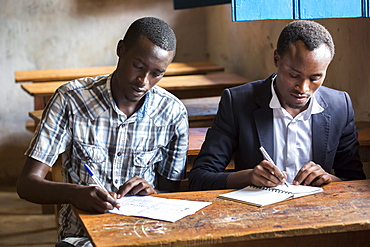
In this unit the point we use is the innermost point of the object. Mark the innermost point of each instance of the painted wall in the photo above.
(48, 34)
(246, 48)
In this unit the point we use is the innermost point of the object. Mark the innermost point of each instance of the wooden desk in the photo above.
(363, 130)
(340, 216)
(191, 86)
(174, 68)
(201, 111)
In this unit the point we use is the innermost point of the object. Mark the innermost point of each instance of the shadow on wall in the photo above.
(190, 48)
(12, 157)
(107, 7)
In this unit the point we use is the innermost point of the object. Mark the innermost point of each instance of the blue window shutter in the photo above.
(248, 10)
(184, 4)
(366, 8)
(313, 9)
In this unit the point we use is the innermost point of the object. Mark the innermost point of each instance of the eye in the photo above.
(156, 75)
(316, 78)
(293, 75)
(136, 66)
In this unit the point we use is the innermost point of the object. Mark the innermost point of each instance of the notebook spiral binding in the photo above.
(270, 189)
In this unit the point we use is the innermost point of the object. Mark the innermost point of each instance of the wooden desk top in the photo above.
(363, 130)
(202, 109)
(196, 139)
(174, 68)
(342, 207)
(170, 83)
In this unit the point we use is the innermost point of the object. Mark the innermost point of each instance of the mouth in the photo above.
(137, 92)
(300, 97)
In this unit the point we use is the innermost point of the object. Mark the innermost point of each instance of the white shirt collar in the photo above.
(313, 108)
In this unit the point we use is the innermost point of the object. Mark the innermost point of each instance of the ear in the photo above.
(120, 48)
(276, 58)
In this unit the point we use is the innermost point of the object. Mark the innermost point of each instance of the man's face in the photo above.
(300, 72)
(139, 69)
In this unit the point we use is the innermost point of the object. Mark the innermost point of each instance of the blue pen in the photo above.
(96, 180)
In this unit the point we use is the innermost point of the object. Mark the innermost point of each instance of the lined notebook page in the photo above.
(262, 196)
(257, 196)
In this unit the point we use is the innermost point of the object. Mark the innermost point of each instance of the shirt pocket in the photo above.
(90, 153)
(145, 162)
(94, 155)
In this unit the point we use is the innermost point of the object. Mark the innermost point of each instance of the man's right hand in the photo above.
(267, 174)
(264, 174)
(94, 199)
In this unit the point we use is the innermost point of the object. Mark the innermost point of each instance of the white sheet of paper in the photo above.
(157, 208)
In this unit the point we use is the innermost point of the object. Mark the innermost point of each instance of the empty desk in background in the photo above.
(337, 217)
(363, 130)
(175, 68)
(190, 86)
(64, 75)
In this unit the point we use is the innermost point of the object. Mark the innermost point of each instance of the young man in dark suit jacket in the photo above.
(306, 128)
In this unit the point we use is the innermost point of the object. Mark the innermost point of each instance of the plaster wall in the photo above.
(246, 48)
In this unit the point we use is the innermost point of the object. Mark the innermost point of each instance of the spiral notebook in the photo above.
(262, 196)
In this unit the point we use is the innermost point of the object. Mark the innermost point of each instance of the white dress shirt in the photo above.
(292, 136)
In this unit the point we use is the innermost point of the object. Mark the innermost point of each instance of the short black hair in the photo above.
(311, 33)
(156, 30)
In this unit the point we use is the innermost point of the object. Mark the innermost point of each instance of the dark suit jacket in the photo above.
(244, 122)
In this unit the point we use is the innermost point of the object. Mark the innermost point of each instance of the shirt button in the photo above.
(119, 154)
(116, 181)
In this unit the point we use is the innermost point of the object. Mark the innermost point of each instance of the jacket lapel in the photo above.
(264, 117)
(320, 132)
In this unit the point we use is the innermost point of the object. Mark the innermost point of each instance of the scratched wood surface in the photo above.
(175, 68)
(201, 111)
(343, 208)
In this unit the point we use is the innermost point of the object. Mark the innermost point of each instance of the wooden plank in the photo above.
(201, 111)
(191, 83)
(343, 209)
(363, 130)
(174, 68)
(196, 139)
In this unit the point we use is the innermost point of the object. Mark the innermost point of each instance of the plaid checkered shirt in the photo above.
(83, 123)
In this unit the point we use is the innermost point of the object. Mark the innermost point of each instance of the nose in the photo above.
(303, 86)
(143, 79)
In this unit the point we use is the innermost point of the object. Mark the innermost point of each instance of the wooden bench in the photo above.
(174, 68)
(201, 112)
(191, 86)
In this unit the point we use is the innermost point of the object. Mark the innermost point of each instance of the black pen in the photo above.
(268, 158)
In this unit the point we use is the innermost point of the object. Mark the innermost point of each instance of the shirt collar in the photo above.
(313, 108)
(139, 114)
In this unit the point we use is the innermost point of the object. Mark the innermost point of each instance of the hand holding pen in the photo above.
(268, 158)
(108, 197)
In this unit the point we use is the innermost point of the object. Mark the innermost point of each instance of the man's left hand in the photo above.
(312, 174)
(136, 186)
